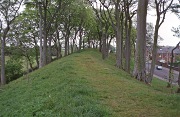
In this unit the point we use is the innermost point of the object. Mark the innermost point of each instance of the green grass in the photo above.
(83, 85)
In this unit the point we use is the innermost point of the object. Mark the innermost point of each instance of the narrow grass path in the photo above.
(122, 95)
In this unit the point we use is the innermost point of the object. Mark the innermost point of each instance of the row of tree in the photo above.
(60, 27)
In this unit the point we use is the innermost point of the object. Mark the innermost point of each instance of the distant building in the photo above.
(164, 54)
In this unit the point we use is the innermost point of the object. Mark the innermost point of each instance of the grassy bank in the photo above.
(83, 84)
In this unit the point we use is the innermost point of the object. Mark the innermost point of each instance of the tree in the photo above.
(24, 35)
(115, 7)
(140, 67)
(162, 7)
(171, 70)
(8, 12)
(128, 27)
(103, 27)
(176, 10)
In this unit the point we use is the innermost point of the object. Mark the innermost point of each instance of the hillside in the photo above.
(83, 85)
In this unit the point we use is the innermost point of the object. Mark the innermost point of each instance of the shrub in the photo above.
(13, 69)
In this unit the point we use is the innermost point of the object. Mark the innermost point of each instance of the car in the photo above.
(159, 67)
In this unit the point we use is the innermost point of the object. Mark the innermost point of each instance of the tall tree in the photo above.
(140, 67)
(176, 10)
(8, 12)
(116, 8)
(118, 32)
(128, 27)
(162, 7)
(103, 19)
(47, 12)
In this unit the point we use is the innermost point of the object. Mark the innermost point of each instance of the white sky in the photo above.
(165, 32)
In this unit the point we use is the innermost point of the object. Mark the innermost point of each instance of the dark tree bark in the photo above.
(40, 37)
(49, 49)
(66, 45)
(140, 60)
(3, 79)
(103, 38)
(56, 44)
(45, 33)
(128, 26)
(80, 38)
(118, 33)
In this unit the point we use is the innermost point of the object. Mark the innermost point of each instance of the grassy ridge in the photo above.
(84, 85)
(55, 90)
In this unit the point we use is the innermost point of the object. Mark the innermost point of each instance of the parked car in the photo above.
(159, 67)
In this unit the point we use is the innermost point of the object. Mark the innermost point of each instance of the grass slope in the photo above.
(83, 84)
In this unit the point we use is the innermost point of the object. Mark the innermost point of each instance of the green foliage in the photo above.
(13, 69)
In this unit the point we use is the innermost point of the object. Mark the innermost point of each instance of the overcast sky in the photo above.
(165, 32)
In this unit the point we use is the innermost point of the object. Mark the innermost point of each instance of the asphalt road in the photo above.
(164, 73)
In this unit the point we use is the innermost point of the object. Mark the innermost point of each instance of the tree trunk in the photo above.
(171, 69)
(60, 49)
(30, 63)
(128, 27)
(3, 44)
(36, 52)
(127, 46)
(80, 39)
(118, 49)
(140, 59)
(45, 50)
(40, 37)
(178, 91)
(100, 41)
(45, 32)
(103, 38)
(45, 37)
(66, 39)
(3, 79)
(72, 50)
(118, 34)
(56, 47)
(154, 52)
(66, 46)
(49, 49)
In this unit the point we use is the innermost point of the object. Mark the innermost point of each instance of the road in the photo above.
(164, 73)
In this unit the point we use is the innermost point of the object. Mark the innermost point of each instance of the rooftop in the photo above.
(168, 49)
